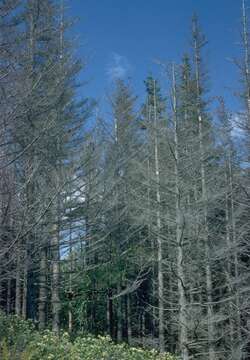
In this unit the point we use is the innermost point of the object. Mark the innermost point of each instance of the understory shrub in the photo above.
(15, 335)
(20, 341)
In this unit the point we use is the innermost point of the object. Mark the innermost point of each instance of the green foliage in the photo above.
(19, 340)
(103, 348)
(15, 334)
(47, 346)
(4, 350)
(51, 347)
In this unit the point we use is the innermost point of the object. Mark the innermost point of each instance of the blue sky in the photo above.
(124, 38)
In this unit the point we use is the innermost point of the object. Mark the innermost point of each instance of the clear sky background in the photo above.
(124, 37)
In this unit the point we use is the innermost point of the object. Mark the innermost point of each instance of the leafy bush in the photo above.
(47, 346)
(20, 340)
(15, 335)
(102, 348)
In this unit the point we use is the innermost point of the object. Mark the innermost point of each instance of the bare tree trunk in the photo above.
(143, 327)
(8, 304)
(228, 269)
(55, 298)
(183, 338)
(152, 243)
(42, 290)
(110, 325)
(129, 324)
(70, 314)
(18, 283)
(108, 319)
(235, 249)
(119, 316)
(25, 282)
(25, 287)
(158, 227)
(210, 314)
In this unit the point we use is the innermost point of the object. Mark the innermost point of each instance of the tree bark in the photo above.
(235, 247)
(129, 324)
(183, 337)
(55, 297)
(42, 290)
(8, 304)
(18, 283)
(119, 316)
(25, 285)
(110, 325)
(158, 229)
(210, 313)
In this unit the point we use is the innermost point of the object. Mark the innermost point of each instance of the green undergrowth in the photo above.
(20, 340)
